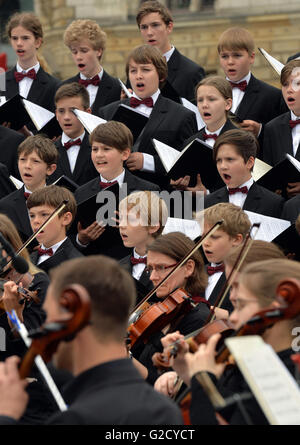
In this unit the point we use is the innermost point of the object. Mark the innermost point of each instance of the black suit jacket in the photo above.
(291, 209)
(143, 284)
(109, 90)
(6, 185)
(84, 169)
(14, 206)
(134, 184)
(9, 142)
(169, 122)
(278, 139)
(66, 251)
(226, 304)
(42, 90)
(199, 135)
(184, 75)
(262, 102)
(259, 200)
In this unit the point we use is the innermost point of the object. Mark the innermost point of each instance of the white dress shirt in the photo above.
(54, 249)
(212, 281)
(25, 84)
(237, 94)
(92, 89)
(138, 269)
(72, 152)
(148, 164)
(239, 198)
(295, 134)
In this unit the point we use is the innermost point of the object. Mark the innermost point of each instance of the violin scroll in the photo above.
(75, 299)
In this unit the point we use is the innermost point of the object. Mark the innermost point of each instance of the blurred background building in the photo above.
(275, 25)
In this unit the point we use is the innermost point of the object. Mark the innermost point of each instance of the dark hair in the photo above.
(287, 70)
(176, 245)
(53, 196)
(244, 142)
(114, 134)
(42, 146)
(145, 54)
(150, 7)
(111, 289)
(73, 89)
(27, 20)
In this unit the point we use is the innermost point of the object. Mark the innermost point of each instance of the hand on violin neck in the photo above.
(11, 299)
(204, 358)
(175, 342)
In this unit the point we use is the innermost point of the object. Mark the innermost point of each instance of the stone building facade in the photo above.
(195, 34)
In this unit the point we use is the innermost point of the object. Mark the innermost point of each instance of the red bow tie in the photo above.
(210, 136)
(136, 102)
(294, 123)
(105, 185)
(26, 195)
(238, 189)
(70, 143)
(214, 269)
(45, 252)
(20, 76)
(94, 81)
(242, 85)
(138, 260)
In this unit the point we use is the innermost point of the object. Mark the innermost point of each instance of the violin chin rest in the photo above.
(46, 329)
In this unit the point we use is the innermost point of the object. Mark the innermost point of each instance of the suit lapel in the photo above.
(38, 87)
(252, 202)
(64, 163)
(285, 135)
(22, 212)
(249, 98)
(12, 87)
(156, 118)
(173, 66)
(102, 93)
(82, 158)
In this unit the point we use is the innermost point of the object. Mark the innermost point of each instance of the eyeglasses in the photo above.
(159, 268)
(239, 303)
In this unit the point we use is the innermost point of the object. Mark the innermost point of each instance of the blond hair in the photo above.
(85, 29)
(151, 210)
(234, 39)
(235, 220)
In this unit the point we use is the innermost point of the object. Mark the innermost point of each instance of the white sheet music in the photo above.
(40, 116)
(270, 381)
(127, 92)
(18, 184)
(260, 168)
(2, 100)
(272, 61)
(294, 161)
(269, 228)
(189, 227)
(167, 154)
(187, 104)
(88, 120)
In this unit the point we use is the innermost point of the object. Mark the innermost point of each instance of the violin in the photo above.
(145, 319)
(76, 302)
(26, 294)
(288, 294)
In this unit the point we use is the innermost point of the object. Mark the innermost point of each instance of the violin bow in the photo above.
(235, 268)
(179, 264)
(48, 220)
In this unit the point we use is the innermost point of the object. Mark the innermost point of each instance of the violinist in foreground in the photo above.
(162, 256)
(107, 388)
(256, 291)
(29, 312)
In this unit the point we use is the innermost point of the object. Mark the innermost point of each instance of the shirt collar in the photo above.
(136, 255)
(154, 96)
(119, 178)
(100, 74)
(55, 246)
(169, 53)
(20, 69)
(247, 184)
(65, 138)
(294, 117)
(217, 132)
(246, 78)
